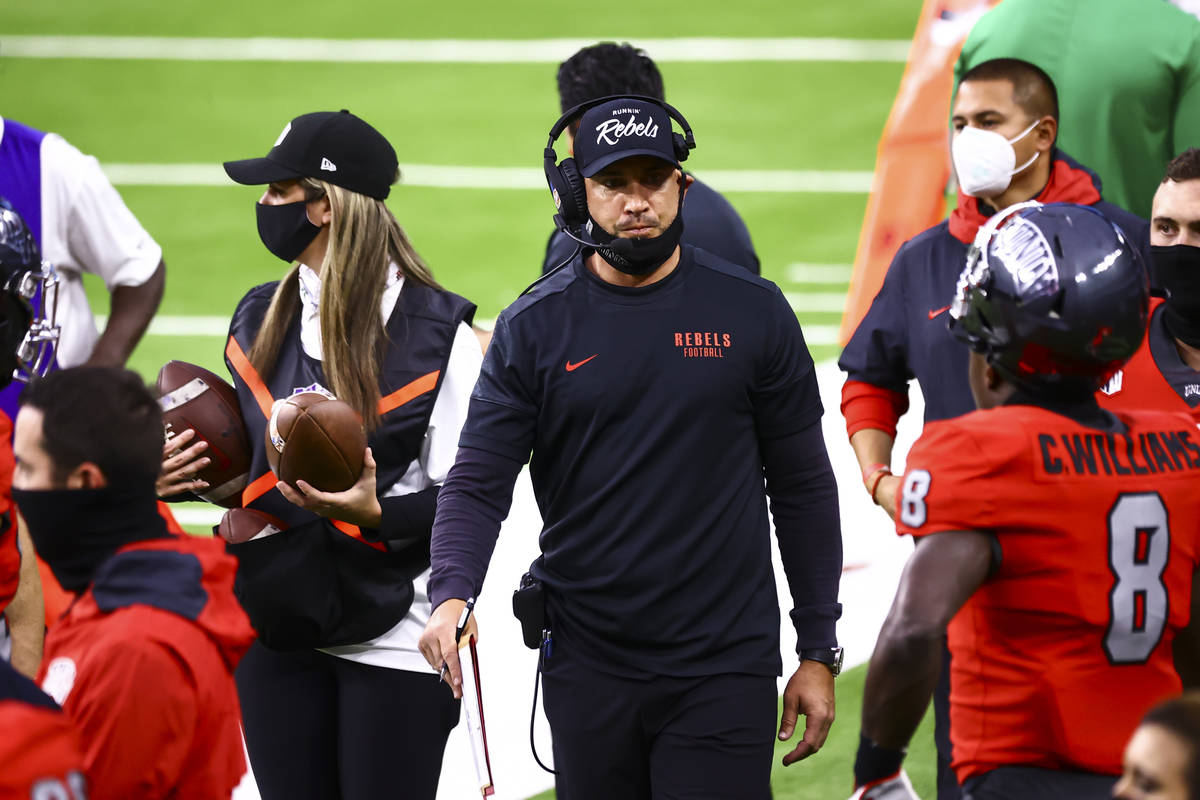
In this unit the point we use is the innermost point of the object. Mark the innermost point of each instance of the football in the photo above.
(192, 397)
(316, 438)
(243, 524)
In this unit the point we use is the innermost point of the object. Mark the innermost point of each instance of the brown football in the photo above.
(193, 397)
(243, 524)
(316, 439)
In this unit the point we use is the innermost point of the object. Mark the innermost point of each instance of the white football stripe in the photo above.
(819, 273)
(802, 302)
(460, 177)
(445, 51)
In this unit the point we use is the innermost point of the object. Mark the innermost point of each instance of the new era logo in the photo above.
(328, 165)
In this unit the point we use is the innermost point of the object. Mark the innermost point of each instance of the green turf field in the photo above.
(484, 244)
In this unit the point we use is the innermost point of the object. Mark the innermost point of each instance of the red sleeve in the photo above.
(39, 747)
(865, 405)
(135, 710)
(10, 556)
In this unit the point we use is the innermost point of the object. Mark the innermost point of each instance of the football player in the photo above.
(1165, 372)
(1058, 541)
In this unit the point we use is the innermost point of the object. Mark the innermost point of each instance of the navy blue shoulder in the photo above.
(931, 237)
(15, 686)
(1133, 225)
(252, 308)
(438, 305)
(550, 285)
(166, 579)
(714, 263)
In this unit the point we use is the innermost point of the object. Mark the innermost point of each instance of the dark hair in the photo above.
(605, 69)
(1184, 167)
(1181, 716)
(1033, 90)
(104, 415)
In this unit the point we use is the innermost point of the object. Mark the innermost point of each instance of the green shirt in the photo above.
(1128, 79)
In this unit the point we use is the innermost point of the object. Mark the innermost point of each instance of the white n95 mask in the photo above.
(984, 160)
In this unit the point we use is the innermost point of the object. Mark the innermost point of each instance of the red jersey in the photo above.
(143, 665)
(1059, 653)
(1140, 384)
(10, 556)
(39, 750)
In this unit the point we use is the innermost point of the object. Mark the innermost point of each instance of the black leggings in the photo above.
(327, 728)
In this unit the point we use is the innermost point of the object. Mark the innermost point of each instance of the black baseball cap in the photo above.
(335, 146)
(622, 128)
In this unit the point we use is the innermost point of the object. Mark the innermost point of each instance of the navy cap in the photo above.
(622, 128)
(335, 146)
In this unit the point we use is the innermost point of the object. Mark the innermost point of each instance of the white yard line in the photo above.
(462, 51)
(808, 302)
(532, 178)
(819, 273)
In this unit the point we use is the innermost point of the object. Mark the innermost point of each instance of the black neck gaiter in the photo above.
(75, 530)
(1176, 269)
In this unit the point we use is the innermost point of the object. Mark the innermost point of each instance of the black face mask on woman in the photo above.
(1177, 270)
(285, 229)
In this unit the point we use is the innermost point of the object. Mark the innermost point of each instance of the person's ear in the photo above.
(86, 476)
(1045, 133)
(686, 182)
(319, 212)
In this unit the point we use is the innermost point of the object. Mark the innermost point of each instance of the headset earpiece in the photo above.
(574, 199)
(681, 147)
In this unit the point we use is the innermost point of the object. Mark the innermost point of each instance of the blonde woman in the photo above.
(337, 700)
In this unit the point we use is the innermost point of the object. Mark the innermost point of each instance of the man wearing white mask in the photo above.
(1005, 122)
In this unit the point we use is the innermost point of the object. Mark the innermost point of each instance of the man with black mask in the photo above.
(655, 385)
(1165, 372)
(142, 662)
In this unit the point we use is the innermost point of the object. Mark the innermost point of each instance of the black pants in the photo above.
(1034, 783)
(664, 738)
(322, 727)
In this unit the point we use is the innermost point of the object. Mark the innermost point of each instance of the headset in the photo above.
(566, 184)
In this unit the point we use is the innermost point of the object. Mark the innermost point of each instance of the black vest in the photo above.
(320, 583)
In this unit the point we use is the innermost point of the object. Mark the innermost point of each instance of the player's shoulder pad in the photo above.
(999, 433)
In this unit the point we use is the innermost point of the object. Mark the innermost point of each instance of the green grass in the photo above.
(829, 774)
(524, 19)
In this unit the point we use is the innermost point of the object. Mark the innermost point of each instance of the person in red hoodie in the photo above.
(142, 662)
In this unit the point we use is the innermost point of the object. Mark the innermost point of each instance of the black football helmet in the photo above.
(1055, 296)
(28, 302)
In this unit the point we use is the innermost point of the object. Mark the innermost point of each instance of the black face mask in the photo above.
(76, 530)
(1176, 269)
(638, 256)
(285, 229)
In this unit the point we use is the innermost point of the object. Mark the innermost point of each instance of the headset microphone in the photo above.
(621, 247)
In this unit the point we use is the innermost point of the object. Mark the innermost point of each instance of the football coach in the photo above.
(665, 395)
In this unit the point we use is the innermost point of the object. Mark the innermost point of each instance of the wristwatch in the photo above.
(829, 656)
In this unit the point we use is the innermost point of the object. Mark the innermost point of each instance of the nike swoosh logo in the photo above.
(572, 367)
(937, 311)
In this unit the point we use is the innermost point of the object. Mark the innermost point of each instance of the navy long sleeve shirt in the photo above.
(653, 416)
